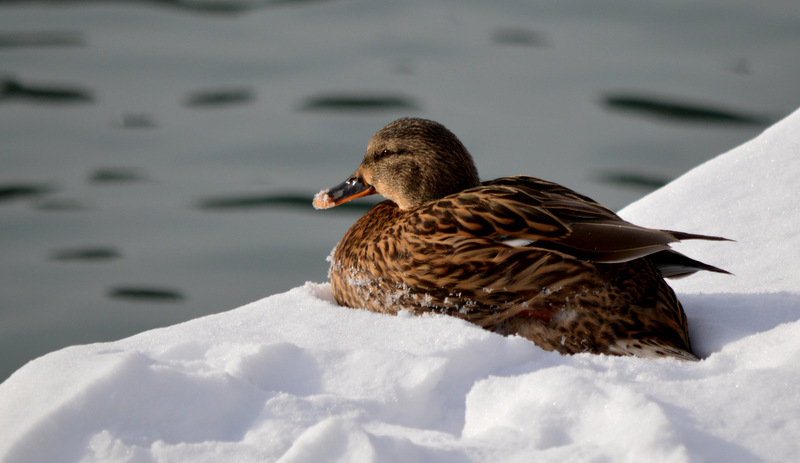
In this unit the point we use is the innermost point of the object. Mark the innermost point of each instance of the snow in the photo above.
(295, 378)
(322, 200)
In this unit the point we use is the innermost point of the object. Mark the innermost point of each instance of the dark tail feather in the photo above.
(673, 264)
(680, 236)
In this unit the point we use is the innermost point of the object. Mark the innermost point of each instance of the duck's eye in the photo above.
(386, 152)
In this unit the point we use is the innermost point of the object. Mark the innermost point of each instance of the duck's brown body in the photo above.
(520, 255)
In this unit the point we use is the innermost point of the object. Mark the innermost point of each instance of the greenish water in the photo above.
(158, 159)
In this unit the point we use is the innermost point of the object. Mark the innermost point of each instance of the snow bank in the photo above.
(294, 378)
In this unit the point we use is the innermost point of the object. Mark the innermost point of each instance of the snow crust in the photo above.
(295, 378)
(322, 200)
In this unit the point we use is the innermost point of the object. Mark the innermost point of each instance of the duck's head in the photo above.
(411, 162)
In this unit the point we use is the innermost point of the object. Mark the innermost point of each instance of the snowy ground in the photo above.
(294, 378)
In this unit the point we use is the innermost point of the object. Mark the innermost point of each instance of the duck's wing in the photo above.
(531, 212)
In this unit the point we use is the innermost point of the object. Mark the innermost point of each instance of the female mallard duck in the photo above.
(516, 255)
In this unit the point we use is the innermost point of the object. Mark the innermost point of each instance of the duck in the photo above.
(515, 255)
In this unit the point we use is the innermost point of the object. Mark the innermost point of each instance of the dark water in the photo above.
(158, 159)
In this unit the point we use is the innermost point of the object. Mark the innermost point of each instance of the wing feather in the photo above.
(549, 216)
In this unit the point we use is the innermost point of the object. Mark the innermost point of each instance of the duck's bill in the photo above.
(352, 188)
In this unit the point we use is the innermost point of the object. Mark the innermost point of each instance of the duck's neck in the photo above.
(447, 182)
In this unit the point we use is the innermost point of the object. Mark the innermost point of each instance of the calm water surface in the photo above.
(158, 159)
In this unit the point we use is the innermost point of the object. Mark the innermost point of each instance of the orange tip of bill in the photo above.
(323, 201)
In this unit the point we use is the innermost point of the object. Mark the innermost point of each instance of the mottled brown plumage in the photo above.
(516, 255)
